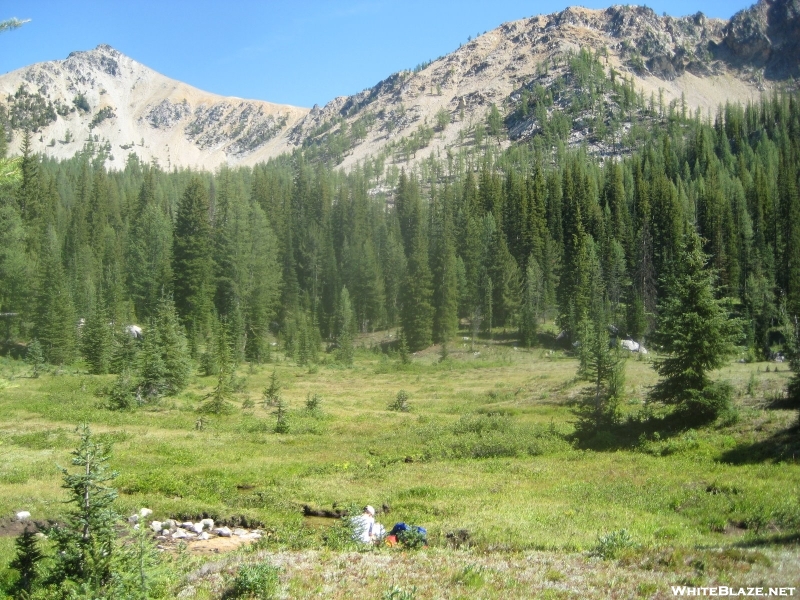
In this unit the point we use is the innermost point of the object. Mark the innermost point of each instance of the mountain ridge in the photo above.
(698, 61)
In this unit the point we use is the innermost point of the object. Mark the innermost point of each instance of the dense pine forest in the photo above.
(298, 253)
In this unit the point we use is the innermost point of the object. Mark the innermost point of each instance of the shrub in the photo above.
(257, 581)
(613, 545)
(400, 403)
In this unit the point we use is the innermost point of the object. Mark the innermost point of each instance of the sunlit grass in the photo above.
(486, 448)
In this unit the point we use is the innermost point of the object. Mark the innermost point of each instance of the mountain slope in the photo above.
(109, 95)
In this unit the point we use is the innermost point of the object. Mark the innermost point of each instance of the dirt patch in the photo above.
(217, 545)
(12, 527)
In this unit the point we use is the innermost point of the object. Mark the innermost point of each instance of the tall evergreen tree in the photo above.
(54, 319)
(696, 336)
(344, 328)
(192, 259)
(97, 337)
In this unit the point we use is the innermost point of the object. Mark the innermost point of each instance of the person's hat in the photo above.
(370, 510)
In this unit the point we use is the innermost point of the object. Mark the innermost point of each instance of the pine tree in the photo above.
(97, 340)
(344, 328)
(416, 310)
(192, 260)
(151, 368)
(272, 393)
(604, 368)
(696, 336)
(445, 276)
(54, 318)
(85, 543)
(532, 303)
(35, 357)
(174, 347)
(26, 561)
(149, 252)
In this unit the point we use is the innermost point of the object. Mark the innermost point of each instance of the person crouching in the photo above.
(365, 528)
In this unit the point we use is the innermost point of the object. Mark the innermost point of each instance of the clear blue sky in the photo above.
(301, 53)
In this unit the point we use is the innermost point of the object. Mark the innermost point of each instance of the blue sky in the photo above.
(300, 53)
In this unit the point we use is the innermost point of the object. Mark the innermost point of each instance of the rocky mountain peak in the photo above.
(766, 35)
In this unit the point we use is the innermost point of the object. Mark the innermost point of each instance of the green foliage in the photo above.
(139, 570)
(191, 259)
(400, 402)
(35, 358)
(85, 541)
(54, 319)
(696, 336)
(96, 340)
(613, 545)
(398, 593)
(81, 103)
(272, 393)
(30, 111)
(281, 417)
(604, 368)
(104, 113)
(26, 561)
(124, 393)
(344, 329)
(259, 580)
(494, 121)
(313, 402)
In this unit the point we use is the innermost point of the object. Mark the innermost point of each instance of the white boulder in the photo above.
(223, 532)
(23, 515)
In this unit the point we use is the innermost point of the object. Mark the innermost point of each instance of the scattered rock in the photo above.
(23, 515)
(133, 519)
(223, 532)
(240, 532)
(145, 512)
(156, 526)
(170, 524)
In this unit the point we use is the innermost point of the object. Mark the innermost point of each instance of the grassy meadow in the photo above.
(484, 459)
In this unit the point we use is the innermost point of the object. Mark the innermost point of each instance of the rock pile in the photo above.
(205, 529)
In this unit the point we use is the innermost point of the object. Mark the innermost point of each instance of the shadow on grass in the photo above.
(783, 446)
(770, 540)
(630, 434)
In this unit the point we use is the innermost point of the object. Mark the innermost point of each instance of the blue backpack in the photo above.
(401, 529)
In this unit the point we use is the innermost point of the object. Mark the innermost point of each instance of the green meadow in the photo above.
(485, 459)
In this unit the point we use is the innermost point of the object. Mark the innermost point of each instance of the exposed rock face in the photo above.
(765, 35)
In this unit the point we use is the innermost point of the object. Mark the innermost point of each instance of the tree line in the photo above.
(490, 240)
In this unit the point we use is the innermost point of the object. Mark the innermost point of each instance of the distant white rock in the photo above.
(145, 512)
(23, 515)
(156, 526)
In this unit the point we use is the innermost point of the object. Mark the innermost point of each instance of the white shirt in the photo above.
(363, 528)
